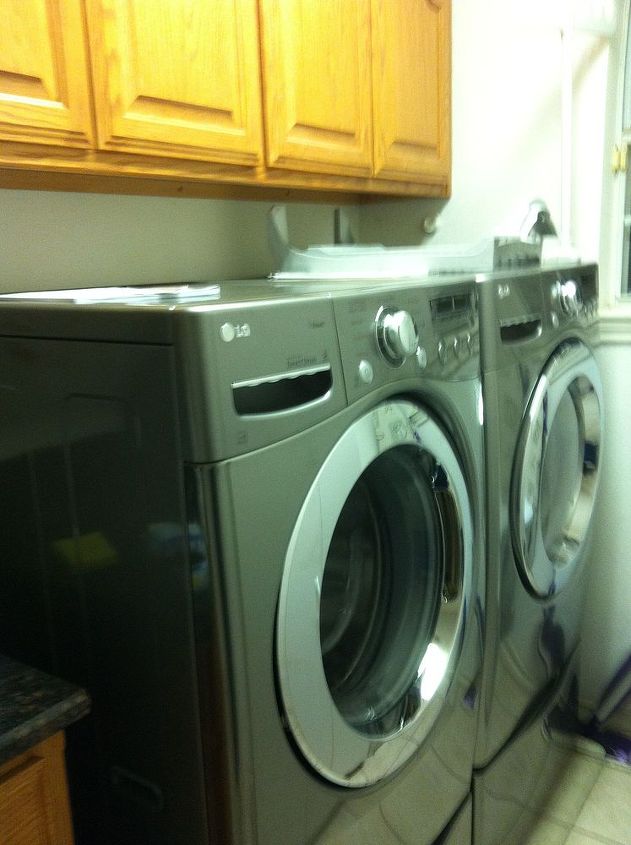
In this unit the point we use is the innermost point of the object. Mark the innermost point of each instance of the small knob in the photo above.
(365, 370)
(421, 357)
(397, 335)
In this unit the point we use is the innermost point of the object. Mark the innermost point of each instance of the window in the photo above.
(625, 159)
(626, 251)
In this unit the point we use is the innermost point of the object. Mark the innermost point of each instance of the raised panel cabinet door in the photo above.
(27, 816)
(177, 78)
(44, 87)
(316, 85)
(34, 804)
(411, 43)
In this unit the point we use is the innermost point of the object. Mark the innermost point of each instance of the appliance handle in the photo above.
(520, 332)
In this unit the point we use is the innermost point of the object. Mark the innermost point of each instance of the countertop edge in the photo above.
(34, 705)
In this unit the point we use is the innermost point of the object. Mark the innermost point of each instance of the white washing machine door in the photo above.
(556, 470)
(377, 578)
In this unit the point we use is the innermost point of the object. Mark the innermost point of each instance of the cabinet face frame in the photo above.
(318, 112)
(44, 75)
(411, 51)
(146, 105)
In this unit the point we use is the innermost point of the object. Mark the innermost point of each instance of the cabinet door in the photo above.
(411, 42)
(34, 806)
(44, 92)
(317, 90)
(177, 78)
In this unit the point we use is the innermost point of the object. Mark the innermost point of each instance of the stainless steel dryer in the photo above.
(249, 522)
(543, 430)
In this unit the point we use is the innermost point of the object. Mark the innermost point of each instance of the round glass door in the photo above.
(372, 601)
(556, 470)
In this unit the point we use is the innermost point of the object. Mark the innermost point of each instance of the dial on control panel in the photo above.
(397, 335)
(569, 297)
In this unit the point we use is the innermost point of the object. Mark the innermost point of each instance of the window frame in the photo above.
(618, 230)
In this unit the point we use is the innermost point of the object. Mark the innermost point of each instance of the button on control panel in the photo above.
(458, 347)
(421, 357)
(366, 372)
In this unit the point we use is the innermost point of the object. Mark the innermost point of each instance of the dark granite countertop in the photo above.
(34, 706)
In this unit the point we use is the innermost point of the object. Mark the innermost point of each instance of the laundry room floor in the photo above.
(591, 804)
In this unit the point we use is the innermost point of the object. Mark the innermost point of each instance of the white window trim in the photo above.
(615, 308)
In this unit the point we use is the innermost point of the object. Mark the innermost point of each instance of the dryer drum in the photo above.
(372, 605)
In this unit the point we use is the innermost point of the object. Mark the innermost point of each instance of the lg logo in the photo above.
(229, 331)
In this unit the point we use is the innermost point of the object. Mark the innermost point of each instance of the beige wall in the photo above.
(56, 240)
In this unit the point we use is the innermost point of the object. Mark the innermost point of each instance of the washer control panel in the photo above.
(572, 296)
(406, 332)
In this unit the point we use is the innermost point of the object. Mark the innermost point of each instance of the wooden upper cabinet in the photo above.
(44, 78)
(177, 78)
(316, 85)
(349, 95)
(411, 48)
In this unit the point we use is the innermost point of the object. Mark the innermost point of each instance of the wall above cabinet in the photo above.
(255, 98)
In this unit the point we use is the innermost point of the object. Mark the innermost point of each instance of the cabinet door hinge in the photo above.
(619, 159)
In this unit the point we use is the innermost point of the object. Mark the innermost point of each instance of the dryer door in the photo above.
(556, 470)
(371, 611)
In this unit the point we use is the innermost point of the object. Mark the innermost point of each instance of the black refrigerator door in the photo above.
(95, 580)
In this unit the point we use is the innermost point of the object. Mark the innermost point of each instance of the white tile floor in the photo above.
(591, 804)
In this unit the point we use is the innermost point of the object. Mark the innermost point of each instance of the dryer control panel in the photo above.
(571, 296)
(520, 311)
(406, 332)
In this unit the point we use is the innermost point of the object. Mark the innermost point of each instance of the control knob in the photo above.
(569, 297)
(397, 335)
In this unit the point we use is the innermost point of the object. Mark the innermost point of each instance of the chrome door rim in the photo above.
(334, 748)
(571, 368)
